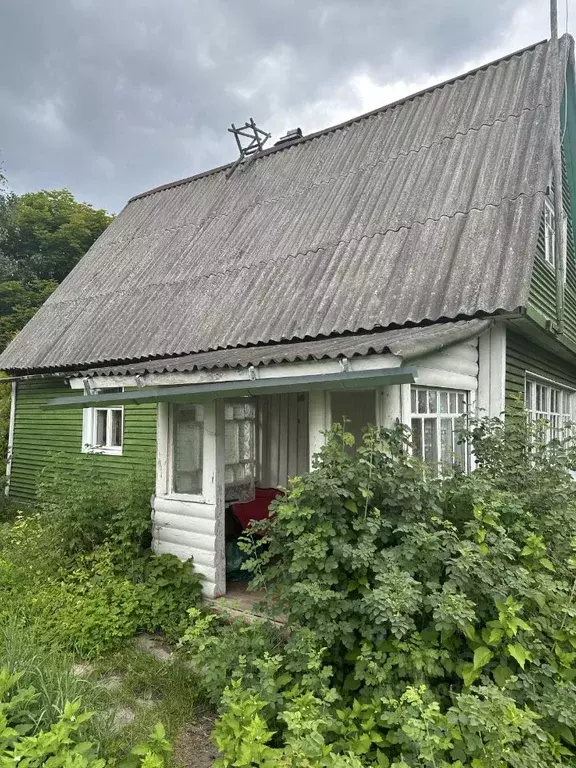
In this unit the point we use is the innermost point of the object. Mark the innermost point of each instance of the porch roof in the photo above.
(408, 343)
(367, 379)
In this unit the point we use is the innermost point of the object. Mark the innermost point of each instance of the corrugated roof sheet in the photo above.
(407, 343)
(422, 211)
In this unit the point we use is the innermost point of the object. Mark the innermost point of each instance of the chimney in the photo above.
(293, 135)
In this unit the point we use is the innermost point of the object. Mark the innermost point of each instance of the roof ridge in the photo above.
(345, 123)
(323, 247)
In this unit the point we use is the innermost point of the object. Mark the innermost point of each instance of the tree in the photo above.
(44, 234)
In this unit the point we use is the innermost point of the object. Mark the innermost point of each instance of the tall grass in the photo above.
(50, 671)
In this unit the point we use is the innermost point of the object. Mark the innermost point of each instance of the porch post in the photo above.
(319, 419)
(213, 485)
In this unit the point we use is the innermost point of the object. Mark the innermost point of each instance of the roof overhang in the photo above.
(365, 379)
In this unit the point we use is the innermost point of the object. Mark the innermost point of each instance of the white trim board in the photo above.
(11, 436)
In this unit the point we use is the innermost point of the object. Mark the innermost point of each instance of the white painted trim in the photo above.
(275, 371)
(88, 430)
(9, 455)
(319, 420)
(434, 377)
(546, 380)
(491, 399)
(162, 449)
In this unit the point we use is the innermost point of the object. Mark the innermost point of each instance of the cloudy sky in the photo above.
(112, 97)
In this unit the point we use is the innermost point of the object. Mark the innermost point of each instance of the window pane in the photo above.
(421, 400)
(240, 449)
(443, 402)
(101, 426)
(188, 446)
(453, 402)
(432, 400)
(446, 443)
(431, 440)
(116, 428)
(529, 396)
(417, 438)
(413, 397)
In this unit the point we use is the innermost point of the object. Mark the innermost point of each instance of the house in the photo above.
(404, 265)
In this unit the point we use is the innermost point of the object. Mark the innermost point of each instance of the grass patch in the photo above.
(50, 672)
(153, 690)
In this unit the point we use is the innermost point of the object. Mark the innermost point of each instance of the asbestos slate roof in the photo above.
(407, 343)
(425, 210)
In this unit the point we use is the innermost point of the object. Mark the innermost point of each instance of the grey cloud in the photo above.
(110, 97)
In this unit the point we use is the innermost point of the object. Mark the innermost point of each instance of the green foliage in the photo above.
(44, 234)
(19, 302)
(81, 569)
(60, 745)
(441, 610)
(230, 646)
(166, 691)
(51, 674)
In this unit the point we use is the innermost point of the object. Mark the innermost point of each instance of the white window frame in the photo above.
(89, 430)
(171, 492)
(549, 232)
(438, 415)
(254, 462)
(558, 418)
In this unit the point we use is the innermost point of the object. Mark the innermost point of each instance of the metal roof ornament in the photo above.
(256, 140)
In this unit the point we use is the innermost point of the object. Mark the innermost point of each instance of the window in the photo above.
(436, 421)
(240, 449)
(103, 428)
(549, 232)
(551, 402)
(187, 449)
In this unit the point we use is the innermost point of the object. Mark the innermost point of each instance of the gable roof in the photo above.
(425, 210)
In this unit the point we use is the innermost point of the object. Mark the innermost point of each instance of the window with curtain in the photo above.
(240, 449)
(187, 448)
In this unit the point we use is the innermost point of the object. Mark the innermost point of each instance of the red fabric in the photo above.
(257, 509)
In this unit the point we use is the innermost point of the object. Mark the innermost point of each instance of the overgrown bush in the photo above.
(90, 582)
(441, 610)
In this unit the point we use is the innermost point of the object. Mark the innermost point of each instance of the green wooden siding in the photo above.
(524, 355)
(40, 432)
(543, 286)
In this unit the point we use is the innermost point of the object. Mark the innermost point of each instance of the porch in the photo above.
(234, 425)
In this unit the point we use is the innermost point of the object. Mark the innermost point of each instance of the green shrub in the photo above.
(83, 507)
(220, 649)
(89, 586)
(442, 610)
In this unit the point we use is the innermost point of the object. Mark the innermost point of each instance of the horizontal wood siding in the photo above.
(543, 286)
(524, 355)
(40, 432)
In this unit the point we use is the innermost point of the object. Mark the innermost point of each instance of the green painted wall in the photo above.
(543, 286)
(524, 355)
(40, 432)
